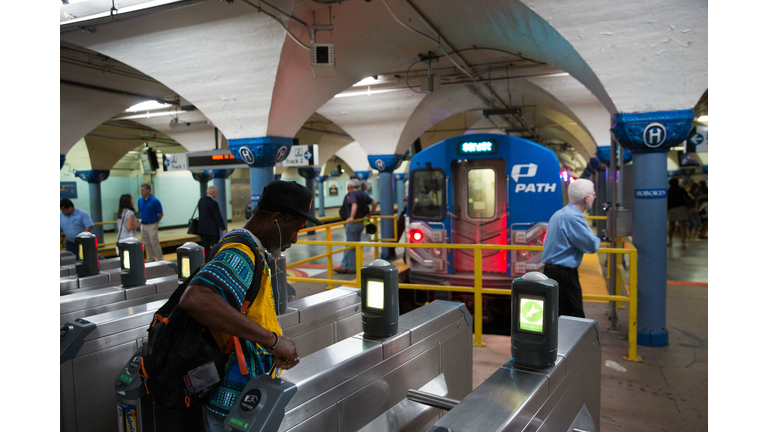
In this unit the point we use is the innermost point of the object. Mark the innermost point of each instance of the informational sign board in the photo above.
(68, 190)
(304, 155)
(175, 162)
(213, 159)
(698, 140)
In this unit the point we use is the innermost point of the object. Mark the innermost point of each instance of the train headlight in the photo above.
(417, 235)
(523, 255)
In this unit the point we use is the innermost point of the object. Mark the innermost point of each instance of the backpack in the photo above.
(181, 359)
(345, 208)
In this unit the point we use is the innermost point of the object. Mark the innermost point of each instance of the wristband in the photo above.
(277, 341)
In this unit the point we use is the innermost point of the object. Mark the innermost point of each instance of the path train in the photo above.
(480, 189)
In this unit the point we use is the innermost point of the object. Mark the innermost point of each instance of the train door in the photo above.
(480, 217)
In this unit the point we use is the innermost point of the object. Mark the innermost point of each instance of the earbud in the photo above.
(275, 221)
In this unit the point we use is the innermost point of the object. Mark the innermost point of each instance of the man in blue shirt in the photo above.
(568, 239)
(151, 212)
(357, 201)
(73, 221)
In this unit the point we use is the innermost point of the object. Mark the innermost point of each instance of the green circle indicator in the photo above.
(532, 315)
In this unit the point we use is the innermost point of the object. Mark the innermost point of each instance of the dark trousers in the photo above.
(71, 247)
(209, 241)
(569, 297)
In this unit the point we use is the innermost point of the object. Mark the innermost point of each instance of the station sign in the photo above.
(304, 155)
(175, 162)
(67, 190)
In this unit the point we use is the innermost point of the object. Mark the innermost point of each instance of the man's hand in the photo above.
(351, 218)
(223, 232)
(285, 354)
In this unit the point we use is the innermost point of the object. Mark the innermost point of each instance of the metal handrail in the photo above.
(478, 289)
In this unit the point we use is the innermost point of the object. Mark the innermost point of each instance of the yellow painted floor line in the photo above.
(591, 278)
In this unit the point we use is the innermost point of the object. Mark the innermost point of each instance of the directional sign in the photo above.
(697, 139)
(304, 155)
(175, 162)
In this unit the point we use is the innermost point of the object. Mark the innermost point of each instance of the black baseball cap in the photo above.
(287, 197)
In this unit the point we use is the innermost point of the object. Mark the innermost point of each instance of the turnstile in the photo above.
(361, 384)
(88, 400)
(68, 264)
(563, 397)
(66, 258)
(103, 300)
(111, 277)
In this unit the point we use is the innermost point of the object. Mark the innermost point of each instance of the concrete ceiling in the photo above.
(571, 66)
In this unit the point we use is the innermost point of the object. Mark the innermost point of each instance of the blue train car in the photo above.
(480, 189)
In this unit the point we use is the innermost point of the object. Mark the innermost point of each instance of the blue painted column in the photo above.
(94, 179)
(261, 155)
(399, 191)
(309, 175)
(203, 177)
(220, 181)
(321, 196)
(649, 136)
(386, 165)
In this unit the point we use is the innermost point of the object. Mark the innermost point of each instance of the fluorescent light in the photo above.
(367, 81)
(125, 10)
(147, 106)
(703, 119)
(366, 93)
(148, 115)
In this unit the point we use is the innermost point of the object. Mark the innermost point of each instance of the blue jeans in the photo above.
(354, 232)
(213, 422)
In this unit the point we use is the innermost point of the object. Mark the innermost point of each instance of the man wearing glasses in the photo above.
(568, 239)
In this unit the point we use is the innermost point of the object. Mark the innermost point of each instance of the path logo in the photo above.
(517, 171)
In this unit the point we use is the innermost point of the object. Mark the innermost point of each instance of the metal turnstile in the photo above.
(88, 400)
(361, 384)
(111, 277)
(563, 397)
(103, 300)
(66, 258)
(68, 264)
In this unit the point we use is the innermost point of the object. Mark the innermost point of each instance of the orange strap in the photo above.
(240, 356)
(144, 375)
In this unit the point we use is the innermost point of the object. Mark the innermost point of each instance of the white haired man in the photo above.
(568, 239)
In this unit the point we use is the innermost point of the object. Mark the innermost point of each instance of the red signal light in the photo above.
(417, 235)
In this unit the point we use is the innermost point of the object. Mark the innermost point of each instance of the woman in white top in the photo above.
(127, 223)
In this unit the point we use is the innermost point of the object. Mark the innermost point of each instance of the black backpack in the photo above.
(181, 360)
(345, 208)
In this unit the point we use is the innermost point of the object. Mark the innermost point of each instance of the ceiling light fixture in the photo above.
(703, 119)
(147, 106)
(366, 93)
(148, 115)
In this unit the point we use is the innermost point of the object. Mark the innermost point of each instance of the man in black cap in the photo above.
(272, 228)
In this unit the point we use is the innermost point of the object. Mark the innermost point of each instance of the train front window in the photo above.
(481, 193)
(426, 197)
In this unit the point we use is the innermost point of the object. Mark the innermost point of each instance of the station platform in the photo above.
(666, 391)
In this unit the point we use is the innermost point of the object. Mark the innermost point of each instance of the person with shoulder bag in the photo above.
(358, 202)
(127, 223)
(218, 299)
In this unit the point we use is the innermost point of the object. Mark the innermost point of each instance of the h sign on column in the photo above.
(654, 135)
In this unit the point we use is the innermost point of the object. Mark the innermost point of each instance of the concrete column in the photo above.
(399, 192)
(261, 154)
(94, 179)
(649, 136)
(601, 187)
(321, 196)
(220, 181)
(203, 177)
(309, 175)
(386, 164)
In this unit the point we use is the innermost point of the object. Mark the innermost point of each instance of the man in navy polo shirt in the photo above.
(151, 213)
(73, 221)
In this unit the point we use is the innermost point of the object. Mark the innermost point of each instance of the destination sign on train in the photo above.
(477, 147)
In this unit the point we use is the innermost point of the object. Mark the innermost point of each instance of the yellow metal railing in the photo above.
(477, 289)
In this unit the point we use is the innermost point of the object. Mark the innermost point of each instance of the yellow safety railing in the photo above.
(477, 289)
(329, 252)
